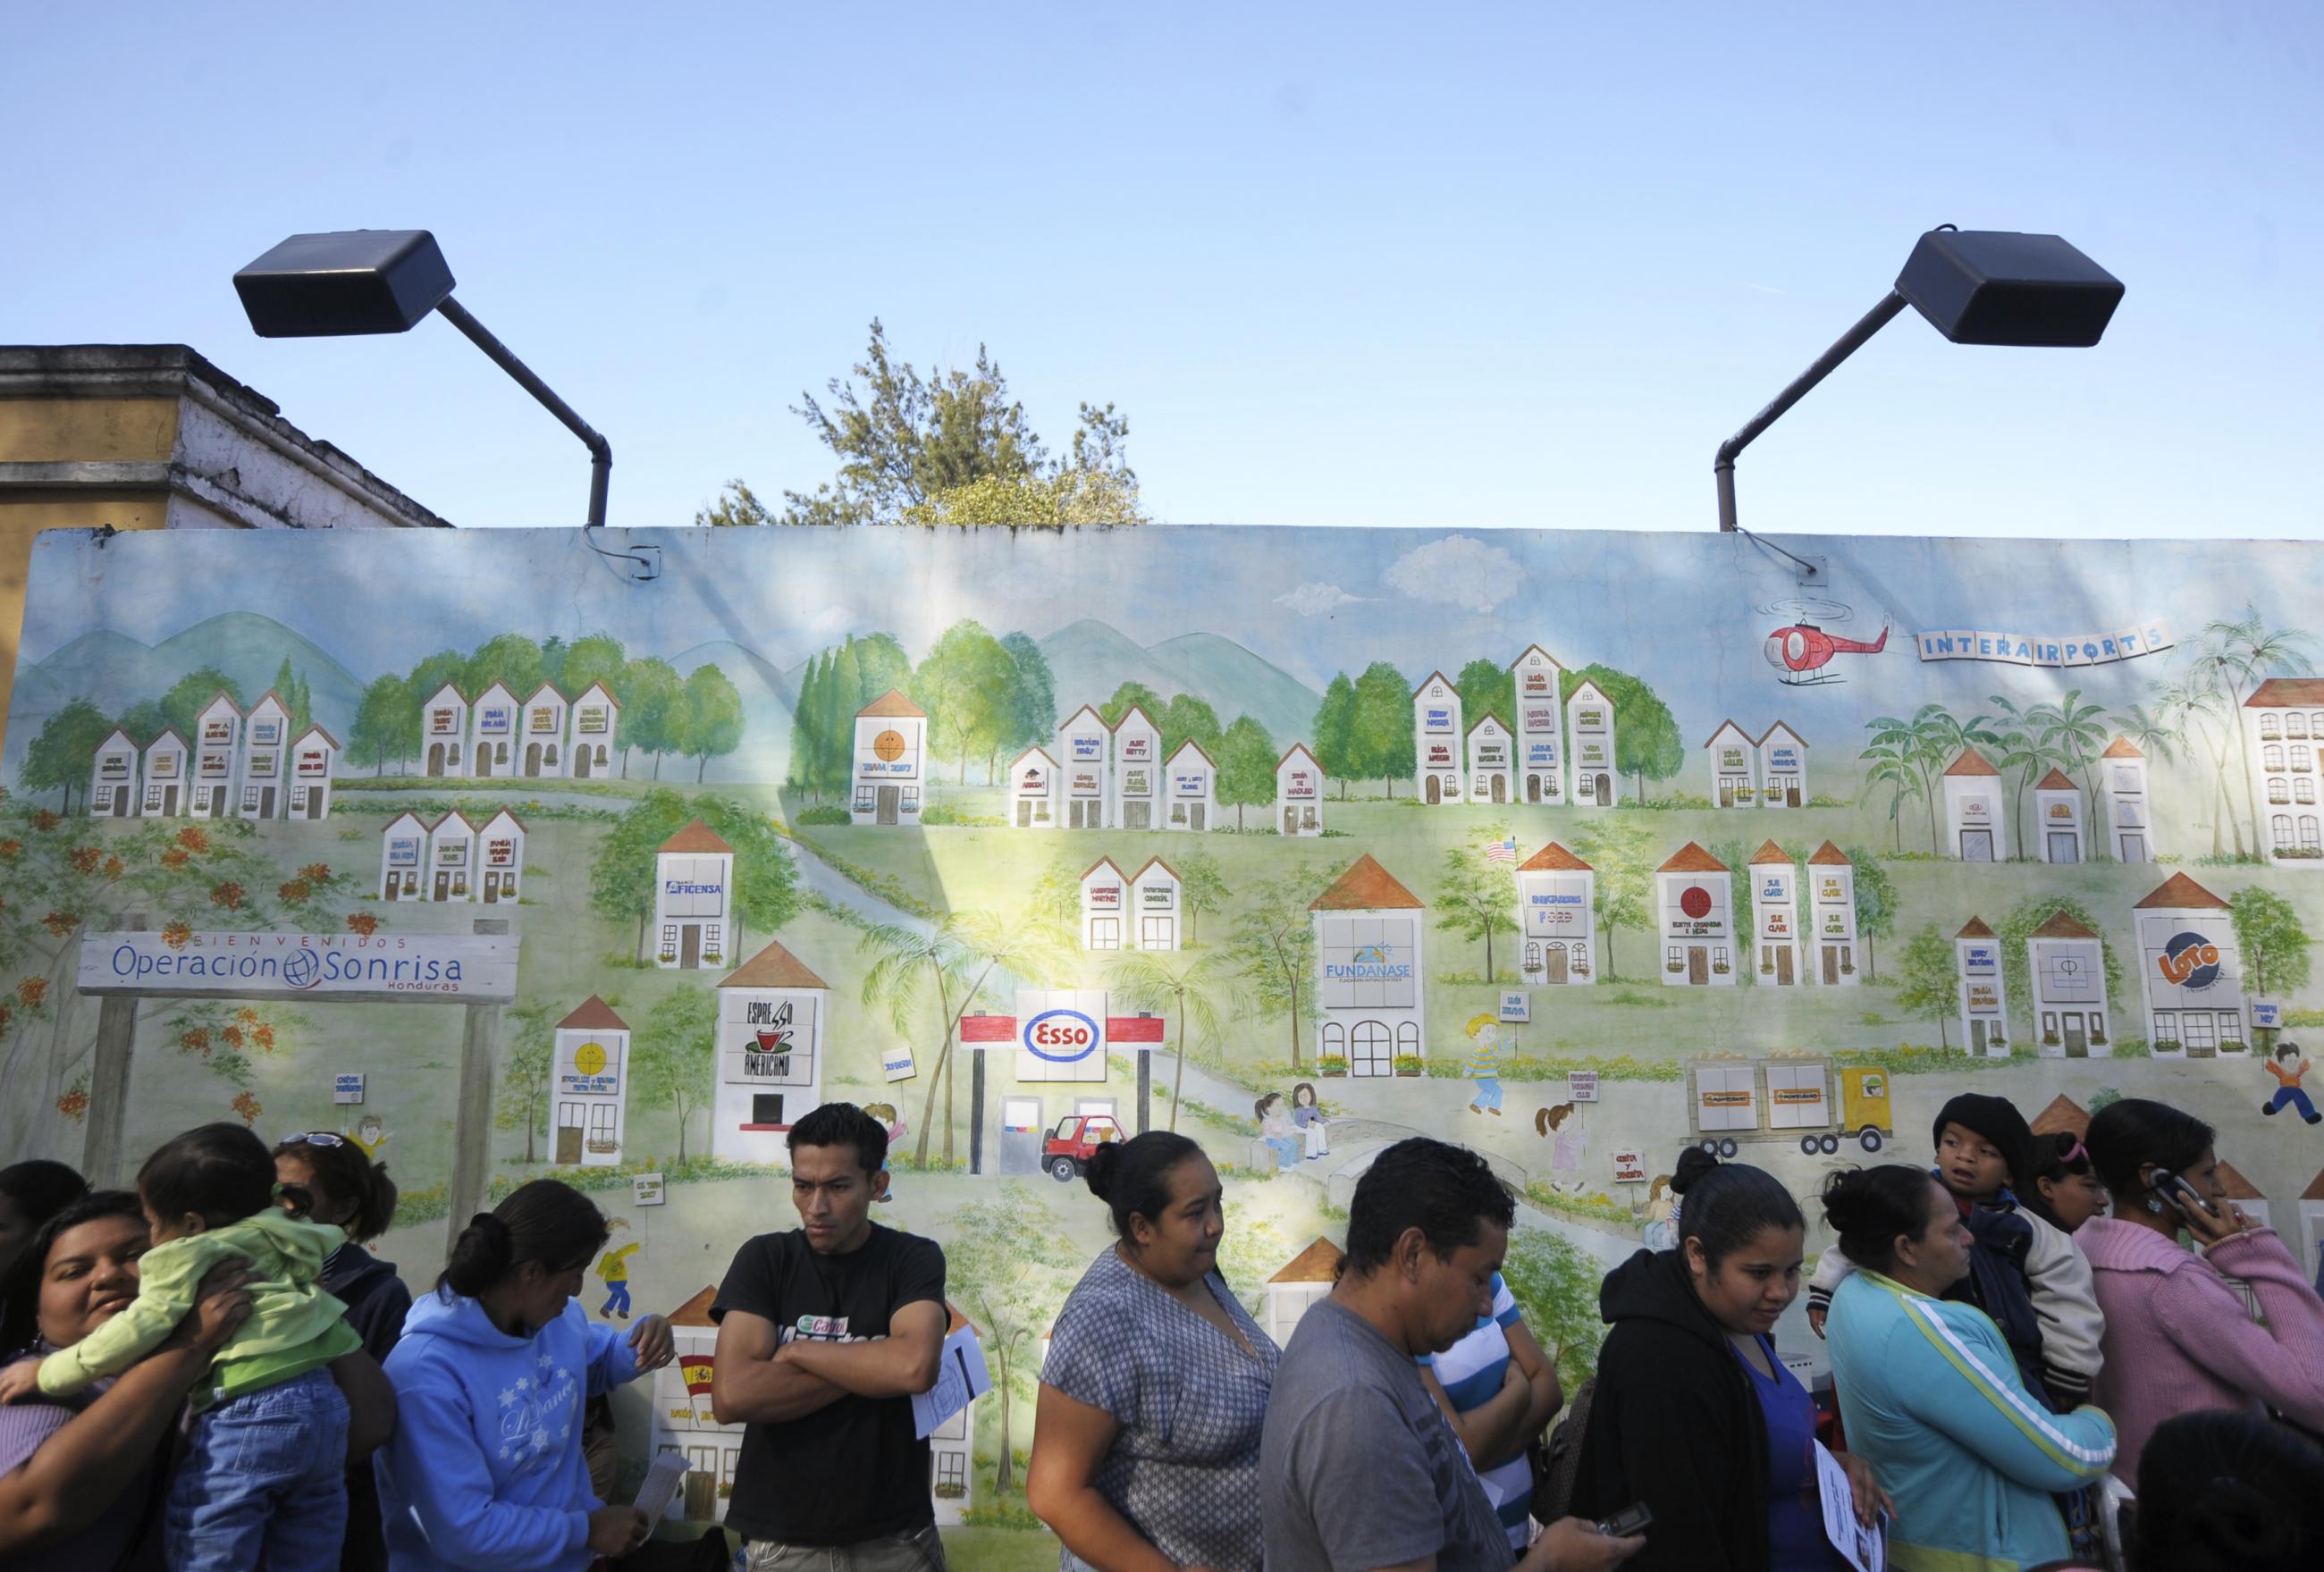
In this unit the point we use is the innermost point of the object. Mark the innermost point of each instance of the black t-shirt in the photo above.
(854, 1470)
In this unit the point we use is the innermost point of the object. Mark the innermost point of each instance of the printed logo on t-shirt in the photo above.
(826, 1329)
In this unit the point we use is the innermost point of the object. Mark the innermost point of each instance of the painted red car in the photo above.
(1066, 1153)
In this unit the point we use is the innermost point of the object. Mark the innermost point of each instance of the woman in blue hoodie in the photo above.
(490, 1377)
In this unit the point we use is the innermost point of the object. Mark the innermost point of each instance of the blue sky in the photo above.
(1340, 264)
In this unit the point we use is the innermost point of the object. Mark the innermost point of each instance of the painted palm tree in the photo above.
(1894, 771)
(1897, 750)
(2235, 656)
(2204, 713)
(2021, 750)
(1188, 990)
(2152, 734)
(2074, 734)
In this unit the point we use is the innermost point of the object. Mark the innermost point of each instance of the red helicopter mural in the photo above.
(1801, 652)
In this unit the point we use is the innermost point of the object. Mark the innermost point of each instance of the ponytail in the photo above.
(543, 1223)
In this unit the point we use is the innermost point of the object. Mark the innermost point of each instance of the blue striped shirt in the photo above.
(1470, 1372)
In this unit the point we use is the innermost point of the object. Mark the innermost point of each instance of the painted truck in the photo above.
(1804, 1100)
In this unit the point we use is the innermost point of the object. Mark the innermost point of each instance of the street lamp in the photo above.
(384, 280)
(1979, 286)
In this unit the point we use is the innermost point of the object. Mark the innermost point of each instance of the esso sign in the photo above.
(1060, 1036)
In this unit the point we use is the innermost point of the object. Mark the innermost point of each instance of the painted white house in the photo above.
(2068, 965)
(1984, 1000)
(1369, 1004)
(1136, 772)
(594, 719)
(265, 739)
(692, 922)
(891, 747)
(1590, 731)
(543, 728)
(1492, 749)
(113, 778)
(1695, 906)
(1033, 790)
(402, 853)
(1157, 899)
(1832, 884)
(1301, 1284)
(2122, 773)
(771, 1011)
(1556, 917)
(493, 723)
(451, 858)
(1436, 738)
(1105, 900)
(1775, 916)
(1084, 753)
(951, 1450)
(2058, 827)
(444, 731)
(313, 764)
(1783, 768)
(217, 745)
(2283, 730)
(1541, 725)
(500, 856)
(1193, 778)
(1734, 760)
(1299, 791)
(2192, 971)
(590, 1087)
(1977, 812)
(166, 757)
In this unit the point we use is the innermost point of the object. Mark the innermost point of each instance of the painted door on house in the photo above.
(581, 763)
(1784, 967)
(1434, 791)
(1136, 816)
(2134, 849)
(569, 1123)
(2076, 1033)
(1555, 961)
(1831, 963)
(1605, 791)
(1371, 1050)
(1532, 789)
(1977, 845)
(2064, 847)
(1698, 967)
(443, 887)
(890, 796)
(435, 759)
(1197, 818)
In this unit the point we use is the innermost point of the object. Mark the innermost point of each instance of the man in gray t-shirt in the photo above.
(1358, 1470)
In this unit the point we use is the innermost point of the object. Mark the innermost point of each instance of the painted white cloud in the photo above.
(1316, 599)
(1457, 571)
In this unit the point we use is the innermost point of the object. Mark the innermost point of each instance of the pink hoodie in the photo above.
(2179, 1339)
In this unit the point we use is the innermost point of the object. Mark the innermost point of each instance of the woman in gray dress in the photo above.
(1146, 1443)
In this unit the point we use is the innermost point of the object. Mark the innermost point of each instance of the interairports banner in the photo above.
(1573, 847)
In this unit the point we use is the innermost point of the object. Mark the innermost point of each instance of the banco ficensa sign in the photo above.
(456, 969)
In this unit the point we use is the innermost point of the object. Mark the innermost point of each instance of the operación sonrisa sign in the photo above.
(456, 969)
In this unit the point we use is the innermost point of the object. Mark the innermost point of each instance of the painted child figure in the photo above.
(614, 1272)
(1307, 1117)
(1484, 1065)
(2024, 1273)
(893, 1123)
(1661, 1232)
(2288, 1065)
(263, 1479)
(1275, 1129)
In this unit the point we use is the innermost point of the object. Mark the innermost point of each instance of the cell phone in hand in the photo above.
(1632, 1519)
(2181, 1194)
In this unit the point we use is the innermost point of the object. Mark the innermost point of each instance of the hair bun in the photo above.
(1692, 1164)
(1100, 1169)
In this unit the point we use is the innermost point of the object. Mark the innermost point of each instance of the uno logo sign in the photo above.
(2190, 961)
(1060, 1036)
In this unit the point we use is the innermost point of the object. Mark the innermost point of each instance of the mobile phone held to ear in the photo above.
(2181, 1194)
(1632, 1519)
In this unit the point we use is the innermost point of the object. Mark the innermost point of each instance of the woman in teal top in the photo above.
(1930, 1394)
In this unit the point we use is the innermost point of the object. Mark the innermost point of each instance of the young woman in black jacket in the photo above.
(1693, 1413)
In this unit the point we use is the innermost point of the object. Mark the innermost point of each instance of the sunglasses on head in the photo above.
(315, 1139)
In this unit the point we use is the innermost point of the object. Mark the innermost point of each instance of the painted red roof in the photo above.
(1830, 856)
(2179, 893)
(1102, 862)
(2236, 1185)
(1693, 859)
(892, 703)
(2315, 1191)
(315, 732)
(2120, 747)
(2063, 925)
(1972, 762)
(1155, 862)
(1553, 858)
(2278, 693)
(1319, 1262)
(773, 967)
(1974, 928)
(593, 1015)
(2063, 1117)
(695, 1311)
(696, 837)
(2057, 780)
(1366, 887)
(1769, 853)
(1297, 748)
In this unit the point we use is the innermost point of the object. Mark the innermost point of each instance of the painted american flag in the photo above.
(1502, 851)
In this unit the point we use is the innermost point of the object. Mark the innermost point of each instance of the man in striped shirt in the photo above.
(1498, 1390)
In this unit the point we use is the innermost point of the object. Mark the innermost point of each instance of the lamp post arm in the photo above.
(1872, 322)
(601, 451)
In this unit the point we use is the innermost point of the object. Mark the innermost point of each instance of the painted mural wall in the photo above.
(1574, 847)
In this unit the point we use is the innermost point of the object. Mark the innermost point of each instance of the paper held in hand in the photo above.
(961, 1379)
(662, 1481)
(1866, 1550)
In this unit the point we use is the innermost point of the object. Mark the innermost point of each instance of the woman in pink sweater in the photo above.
(2177, 1338)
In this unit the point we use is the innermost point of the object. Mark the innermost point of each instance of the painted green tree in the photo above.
(1202, 886)
(1128, 694)
(1928, 985)
(1383, 727)
(1876, 904)
(1273, 951)
(191, 693)
(1032, 693)
(1188, 719)
(2272, 942)
(1475, 898)
(291, 687)
(2234, 655)
(1189, 991)
(1555, 1284)
(1246, 759)
(593, 658)
(1009, 1266)
(510, 659)
(652, 698)
(711, 724)
(622, 879)
(1647, 741)
(1336, 748)
(63, 757)
(676, 1060)
(522, 1100)
(385, 726)
(1622, 852)
(1488, 687)
(964, 685)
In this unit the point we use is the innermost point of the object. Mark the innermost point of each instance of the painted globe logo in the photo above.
(1695, 901)
(302, 969)
(2189, 960)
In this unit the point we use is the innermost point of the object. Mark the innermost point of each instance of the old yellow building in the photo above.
(153, 436)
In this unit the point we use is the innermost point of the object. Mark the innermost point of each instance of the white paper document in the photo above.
(961, 1379)
(1866, 1550)
(663, 1480)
